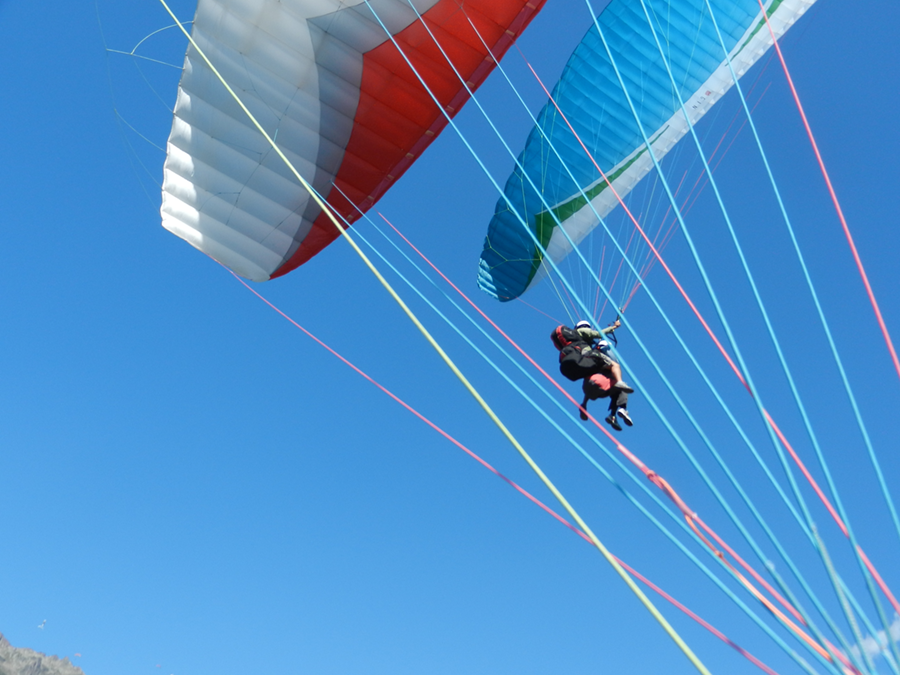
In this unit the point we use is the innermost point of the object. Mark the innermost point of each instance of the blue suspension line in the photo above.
(818, 450)
(581, 303)
(478, 104)
(758, 299)
(802, 525)
(757, 397)
(710, 290)
(667, 508)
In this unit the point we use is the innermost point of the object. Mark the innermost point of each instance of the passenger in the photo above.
(599, 386)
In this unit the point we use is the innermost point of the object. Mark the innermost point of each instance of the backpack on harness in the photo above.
(575, 358)
(563, 336)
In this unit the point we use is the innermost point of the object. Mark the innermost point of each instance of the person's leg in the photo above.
(616, 377)
(619, 406)
(616, 371)
(582, 409)
(611, 419)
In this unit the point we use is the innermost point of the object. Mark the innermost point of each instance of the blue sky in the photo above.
(189, 481)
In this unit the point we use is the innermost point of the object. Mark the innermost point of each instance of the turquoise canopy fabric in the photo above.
(556, 190)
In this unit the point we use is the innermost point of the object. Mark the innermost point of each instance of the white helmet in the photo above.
(582, 324)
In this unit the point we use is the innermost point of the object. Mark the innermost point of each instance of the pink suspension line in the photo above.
(638, 226)
(724, 353)
(690, 516)
(575, 310)
(599, 276)
(539, 311)
(686, 209)
(648, 265)
(695, 193)
(755, 661)
(534, 500)
(834, 198)
(616, 275)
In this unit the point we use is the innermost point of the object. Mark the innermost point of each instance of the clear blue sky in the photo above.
(187, 480)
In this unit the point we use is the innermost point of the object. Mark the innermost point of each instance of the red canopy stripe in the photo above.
(397, 118)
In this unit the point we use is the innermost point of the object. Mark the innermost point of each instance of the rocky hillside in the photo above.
(21, 661)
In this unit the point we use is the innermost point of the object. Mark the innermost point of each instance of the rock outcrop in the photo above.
(21, 661)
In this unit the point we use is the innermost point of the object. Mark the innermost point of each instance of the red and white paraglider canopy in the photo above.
(338, 95)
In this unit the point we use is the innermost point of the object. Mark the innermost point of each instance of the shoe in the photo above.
(623, 413)
(624, 387)
(583, 414)
(613, 422)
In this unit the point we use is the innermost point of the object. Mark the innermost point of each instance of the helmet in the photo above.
(582, 324)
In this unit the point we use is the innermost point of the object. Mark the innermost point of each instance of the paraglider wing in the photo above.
(591, 99)
(329, 84)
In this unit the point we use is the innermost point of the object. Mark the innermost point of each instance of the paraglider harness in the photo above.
(577, 360)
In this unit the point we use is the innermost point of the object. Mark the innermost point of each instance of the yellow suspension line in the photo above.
(450, 364)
